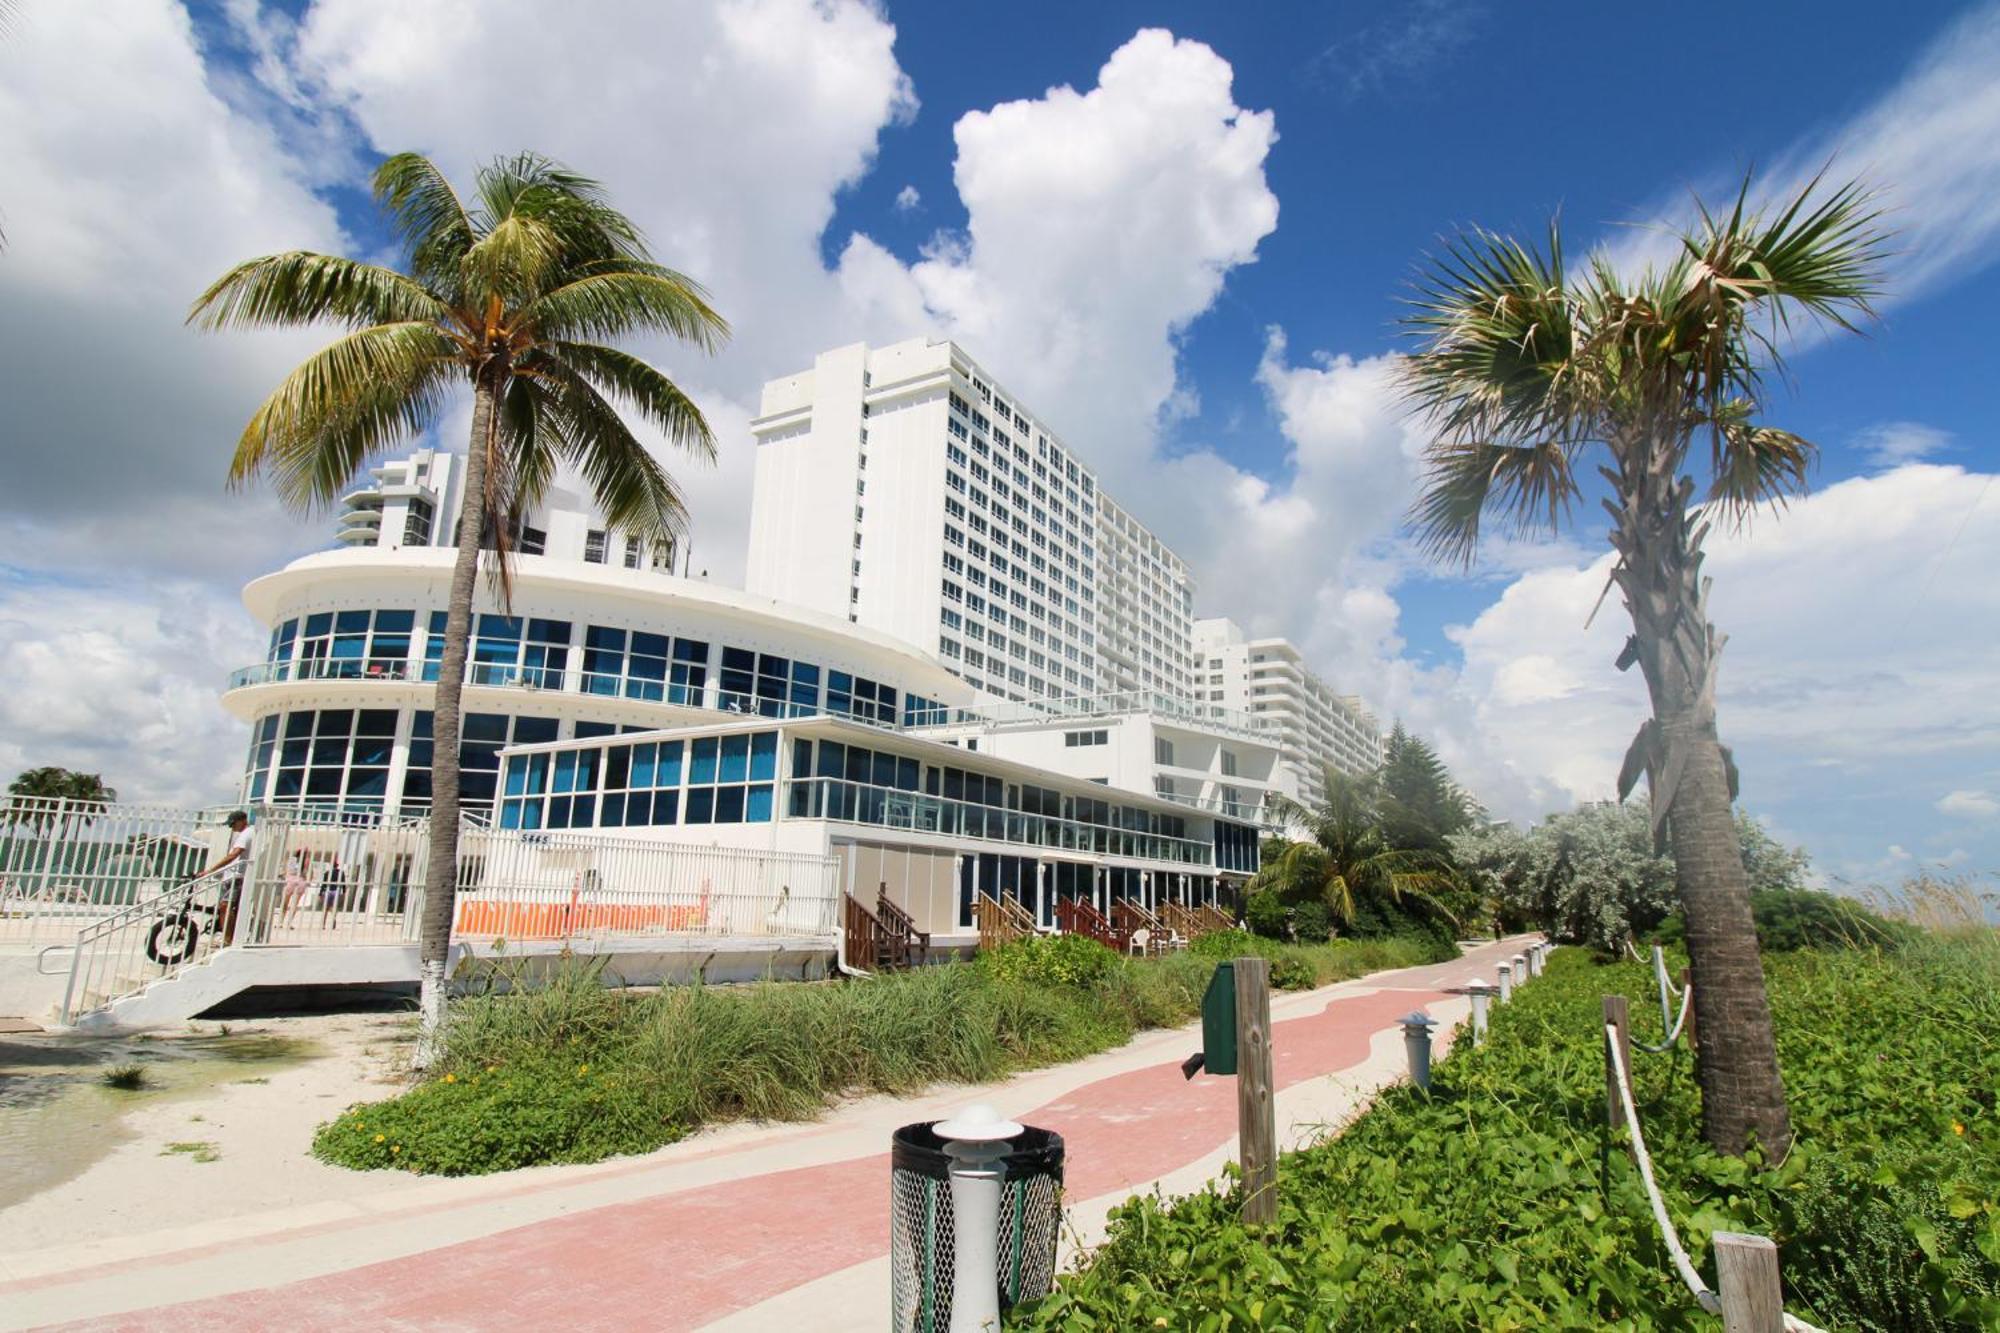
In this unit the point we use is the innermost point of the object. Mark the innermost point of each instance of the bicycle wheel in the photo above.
(173, 939)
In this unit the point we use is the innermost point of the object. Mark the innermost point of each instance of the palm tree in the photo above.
(1346, 859)
(37, 785)
(507, 293)
(1524, 368)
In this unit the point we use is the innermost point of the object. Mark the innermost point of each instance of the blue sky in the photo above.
(1179, 231)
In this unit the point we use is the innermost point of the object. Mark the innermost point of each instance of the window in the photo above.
(773, 686)
(1163, 751)
(332, 757)
(1072, 739)
(507, 650)
(348, 645)
(860, 698)
(633, 552)
(1228, 763)
(593, 547)
(419, 516)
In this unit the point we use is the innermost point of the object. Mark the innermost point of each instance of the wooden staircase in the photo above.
(1000, 920)
(1184, 922)
(885, 939)
(1078, 916)
(1130, 917)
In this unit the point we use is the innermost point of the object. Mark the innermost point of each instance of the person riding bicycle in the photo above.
(234, 865)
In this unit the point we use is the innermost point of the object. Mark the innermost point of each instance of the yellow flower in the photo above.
(581, 1070)
(380, 1137)
(396, 1148)
(1958, 1127)
(1160, 1322)
(451, 1078)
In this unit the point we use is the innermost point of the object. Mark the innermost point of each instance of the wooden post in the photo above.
(1256, 1114)
(1746, 1270)
(1616, 1015)
(1687, 979)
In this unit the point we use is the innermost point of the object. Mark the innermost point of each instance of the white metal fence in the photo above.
(110, 892)
(65, 864)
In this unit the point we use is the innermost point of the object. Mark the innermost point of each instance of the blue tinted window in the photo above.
(759, 811)
(702, 769)
(764, 756)
(735, 759)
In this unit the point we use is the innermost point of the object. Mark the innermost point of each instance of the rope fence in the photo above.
(1751, 1299)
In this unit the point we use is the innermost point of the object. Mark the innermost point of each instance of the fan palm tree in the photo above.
(1346, 858)
(1523, 369)
(506, 292)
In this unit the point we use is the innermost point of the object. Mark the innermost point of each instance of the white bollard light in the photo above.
(1479, 990)
(1506, 983)
(1520, 969)
(976, 1139)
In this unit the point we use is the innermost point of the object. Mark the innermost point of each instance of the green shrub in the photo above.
(1491, 1202)
(1220, 944)
(1792, 919)
(1312, 923)
(1050, 960)
(562, 1069)
(1266, 914)
(1293, 974)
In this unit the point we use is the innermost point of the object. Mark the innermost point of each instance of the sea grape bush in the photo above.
(1492, 1203)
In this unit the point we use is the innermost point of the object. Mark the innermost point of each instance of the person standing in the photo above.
(295, 887)
(332, 886)
(234, 865)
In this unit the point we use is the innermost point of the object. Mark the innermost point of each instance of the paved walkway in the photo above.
(748, 1227)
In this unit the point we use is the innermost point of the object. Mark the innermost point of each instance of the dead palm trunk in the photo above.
(441, 878)
(1688, 775)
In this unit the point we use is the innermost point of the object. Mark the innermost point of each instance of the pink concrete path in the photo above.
(684, 1259)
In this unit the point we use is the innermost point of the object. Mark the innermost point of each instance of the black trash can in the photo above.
(920, 1224)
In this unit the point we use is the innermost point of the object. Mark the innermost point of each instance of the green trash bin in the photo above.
(1218, 1021)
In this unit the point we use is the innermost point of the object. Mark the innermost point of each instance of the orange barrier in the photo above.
(550, 921)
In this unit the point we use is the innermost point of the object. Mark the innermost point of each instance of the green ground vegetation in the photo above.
(573, 1071)
(1493, 1202)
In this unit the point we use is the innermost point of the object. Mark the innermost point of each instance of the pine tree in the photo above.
(1421, 805)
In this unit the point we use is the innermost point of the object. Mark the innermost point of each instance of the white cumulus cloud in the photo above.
(1968, 804)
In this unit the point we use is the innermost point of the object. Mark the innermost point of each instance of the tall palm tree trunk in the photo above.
(441, 877)
(1659, 542)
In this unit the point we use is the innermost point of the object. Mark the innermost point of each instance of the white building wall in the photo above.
(1267, 678)
(982, 494)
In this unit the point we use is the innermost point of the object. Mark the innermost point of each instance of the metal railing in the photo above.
(65, 863)
(153, 939)
(891, 807)
(330, 879)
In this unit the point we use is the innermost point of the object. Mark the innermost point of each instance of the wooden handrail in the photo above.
(996, 926)
(899, 928)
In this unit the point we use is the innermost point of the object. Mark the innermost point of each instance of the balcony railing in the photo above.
(889, 807)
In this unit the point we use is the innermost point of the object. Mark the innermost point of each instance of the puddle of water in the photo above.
(57, 1116)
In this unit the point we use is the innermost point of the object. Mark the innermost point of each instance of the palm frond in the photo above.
(426, 213)
(509, 263)
(358, 395)
(627, 300)
(572, 205)
(1756, 463)
(1531, 486)
(301, 287)
(635, 492)
(1498, 331)
(643, 389)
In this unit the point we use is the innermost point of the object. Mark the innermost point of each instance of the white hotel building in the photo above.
(612, 695)
(1318, 727)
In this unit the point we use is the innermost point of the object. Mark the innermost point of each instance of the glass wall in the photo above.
(334, 756)
(707, 780)
(616, 662)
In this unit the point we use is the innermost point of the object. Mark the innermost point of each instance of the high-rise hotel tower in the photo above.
(902, 488)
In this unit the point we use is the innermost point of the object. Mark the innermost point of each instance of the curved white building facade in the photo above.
(340, 707)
